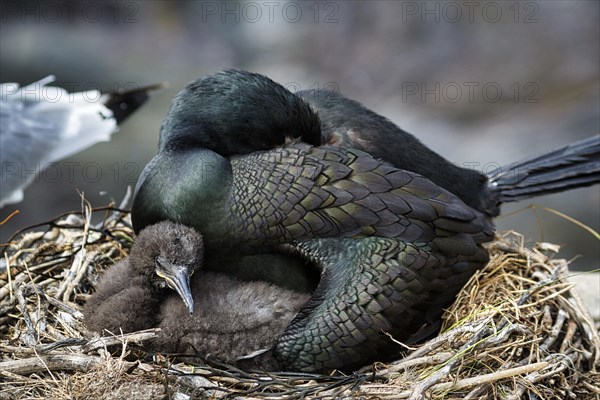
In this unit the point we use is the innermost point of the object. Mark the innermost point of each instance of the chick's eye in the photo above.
(159, 264)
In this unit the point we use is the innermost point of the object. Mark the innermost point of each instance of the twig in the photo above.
(77, 270)
(407, 347)
(31, 337)
(65, 307)
(424, 385)
(106, 341)
(9, 275)
(12, 214)
(477, 391)
(535, 376)
(404, 364)
(61, 343)
(555, 331)
(568, 339)
(478, 380)
(52, 362)
(444, 338)
(592, 388)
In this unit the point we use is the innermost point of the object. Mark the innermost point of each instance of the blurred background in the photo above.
(482, 83)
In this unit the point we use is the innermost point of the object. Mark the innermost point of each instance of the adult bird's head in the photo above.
(237, 112)
(167, 254)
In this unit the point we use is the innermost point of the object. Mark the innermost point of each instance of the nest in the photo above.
(517, 330)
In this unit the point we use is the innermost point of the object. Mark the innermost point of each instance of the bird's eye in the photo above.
(160, 271)
(159, 264)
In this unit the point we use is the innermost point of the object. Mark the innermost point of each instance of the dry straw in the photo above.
(517, 330)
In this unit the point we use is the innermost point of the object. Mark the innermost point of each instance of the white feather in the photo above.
(42, 124)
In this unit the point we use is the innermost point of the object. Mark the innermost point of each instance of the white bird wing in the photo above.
(42, 124)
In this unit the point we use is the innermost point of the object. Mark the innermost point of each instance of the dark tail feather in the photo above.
(124, 103)
(573, 166)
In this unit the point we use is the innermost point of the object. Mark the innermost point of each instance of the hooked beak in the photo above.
(179, 280)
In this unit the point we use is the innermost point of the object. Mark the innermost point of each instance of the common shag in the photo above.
(233, 321)
(164, 256)
(395, 234)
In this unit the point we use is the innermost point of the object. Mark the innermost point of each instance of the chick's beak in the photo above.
(179, 280)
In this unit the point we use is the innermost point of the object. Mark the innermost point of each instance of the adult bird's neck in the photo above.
(189, 186)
